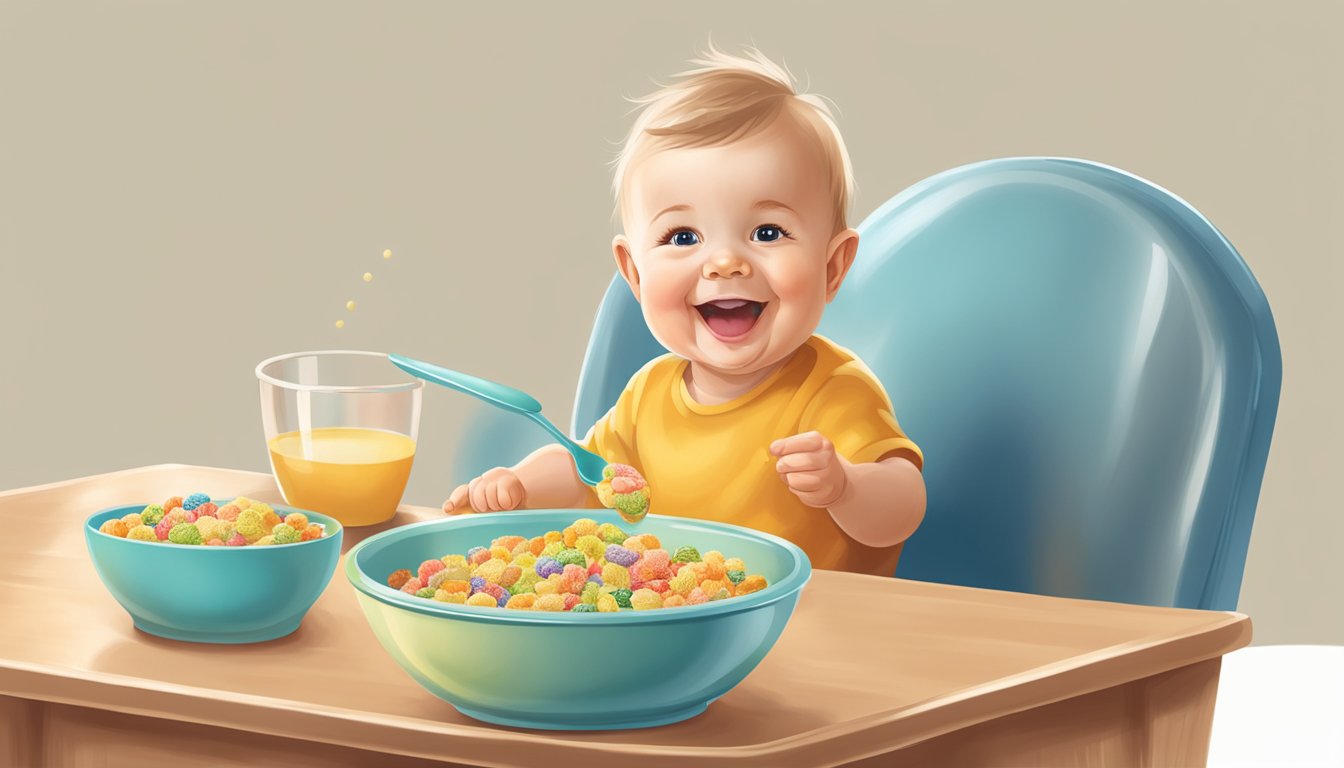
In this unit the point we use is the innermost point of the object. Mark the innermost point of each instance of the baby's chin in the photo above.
(734, 357)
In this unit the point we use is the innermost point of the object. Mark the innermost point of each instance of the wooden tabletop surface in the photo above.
(866, 664)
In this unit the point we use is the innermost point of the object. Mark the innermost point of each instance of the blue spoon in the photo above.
(589, 464)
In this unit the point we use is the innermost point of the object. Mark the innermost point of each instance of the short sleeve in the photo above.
(852, 410)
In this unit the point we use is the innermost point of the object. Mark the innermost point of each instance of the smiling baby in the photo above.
(733, 190)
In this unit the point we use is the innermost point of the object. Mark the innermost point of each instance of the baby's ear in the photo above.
(625, 263)
(840, 257)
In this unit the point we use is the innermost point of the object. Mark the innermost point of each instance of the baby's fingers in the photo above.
(456, 500)
(806, 481)
(808, 441)
(809, 461)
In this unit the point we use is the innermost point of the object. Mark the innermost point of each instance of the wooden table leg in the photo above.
(1159, 721)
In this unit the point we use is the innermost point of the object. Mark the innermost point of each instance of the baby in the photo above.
(733, 190)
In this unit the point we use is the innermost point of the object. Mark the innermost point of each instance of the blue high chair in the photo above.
(1089, 366)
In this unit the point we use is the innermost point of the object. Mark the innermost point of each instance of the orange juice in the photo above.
(355, 475)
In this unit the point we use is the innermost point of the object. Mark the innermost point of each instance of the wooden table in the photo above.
(870, 671)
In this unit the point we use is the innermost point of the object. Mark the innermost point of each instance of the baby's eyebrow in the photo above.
(764, 204)
(671, 209)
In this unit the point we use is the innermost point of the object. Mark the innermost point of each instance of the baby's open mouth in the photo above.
(730, 318)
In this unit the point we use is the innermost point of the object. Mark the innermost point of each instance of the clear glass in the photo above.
(341, 429)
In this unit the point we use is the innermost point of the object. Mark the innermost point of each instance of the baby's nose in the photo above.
(725, 265)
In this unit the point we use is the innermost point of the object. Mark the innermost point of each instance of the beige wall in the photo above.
(186, 188)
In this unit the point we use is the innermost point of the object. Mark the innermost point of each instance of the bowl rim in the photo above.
(411, 385)
(785, 587)
(125, 509)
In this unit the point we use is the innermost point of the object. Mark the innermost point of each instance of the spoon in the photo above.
(588, 464)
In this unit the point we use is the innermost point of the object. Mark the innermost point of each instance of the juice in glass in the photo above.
(356, 475)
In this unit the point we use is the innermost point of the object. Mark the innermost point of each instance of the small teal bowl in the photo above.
(575, 671)
(214, 594)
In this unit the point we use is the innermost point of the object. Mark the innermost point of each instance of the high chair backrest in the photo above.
(1089, 366)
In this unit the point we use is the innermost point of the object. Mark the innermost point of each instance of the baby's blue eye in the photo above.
(685, 238)
(767, 234)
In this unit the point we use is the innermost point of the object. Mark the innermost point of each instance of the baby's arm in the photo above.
(545, 479)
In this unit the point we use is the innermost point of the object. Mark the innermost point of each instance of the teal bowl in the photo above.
(575, 671)
(214, 594)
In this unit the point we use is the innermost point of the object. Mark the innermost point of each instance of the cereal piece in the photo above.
(753, 583)
(673, 601)
(500, 552)
(526, 561)
(500, 594)
(522, 602)
(620, 470)
(458, 598)
(285, 534)
(206, 509)
(209, 528)
(455, 585)
(550, 537)
(590, 592)
(387, 254)
(249, 524)
(236, 540)
(571, 557)
(132, 520)
(535, 545)
(184, 533)
(368, 277)
(412, 586)
(734, 564)
(621, 555)
(686, 555)
(696, 597)
(426, 592)
(574, 578)
(483, 600)
(657, 585)
(645, 600)
(632, 506)
(478, 555)
(683, 582)
(350, 305)
(509, 576)
(242, 502)
(585, 526)
(477, 584)
(115, 527)
(508, 542)
(313, 531)
(548, 586)
(165, 525)
(142, 533)
(228, 512)
(584, 608)
(553, 548)
(736, 576)
(616, 575)
(428, 568)
(173, 502)
(215, 543)
(549, 603)
(548, 565)
(591, 546)
(264, 541)
(297, 520)
(571, 600)
(526, 582)
(194, 500)
(151, 515)
(611, 533)
(605, 495)
(340, 324)
(569, 536)
(491, 569)
(622, 597)
(607, 604)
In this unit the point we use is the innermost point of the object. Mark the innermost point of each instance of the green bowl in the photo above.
(214, 594)
(575, 671)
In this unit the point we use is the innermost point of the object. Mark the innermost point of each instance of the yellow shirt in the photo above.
(713, 461)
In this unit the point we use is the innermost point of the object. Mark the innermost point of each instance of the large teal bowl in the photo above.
(575, 671)
(214, 594)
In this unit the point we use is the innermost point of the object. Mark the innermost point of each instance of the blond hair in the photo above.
(726, 99)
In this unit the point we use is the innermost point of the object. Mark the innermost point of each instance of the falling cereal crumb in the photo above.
(387, 254)
(350, 305)
(368, 277)
(340, 323)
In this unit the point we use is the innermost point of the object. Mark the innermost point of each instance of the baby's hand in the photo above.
(811, 468)
(497, 490)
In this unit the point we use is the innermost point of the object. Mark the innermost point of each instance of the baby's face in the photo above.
(732, 250)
